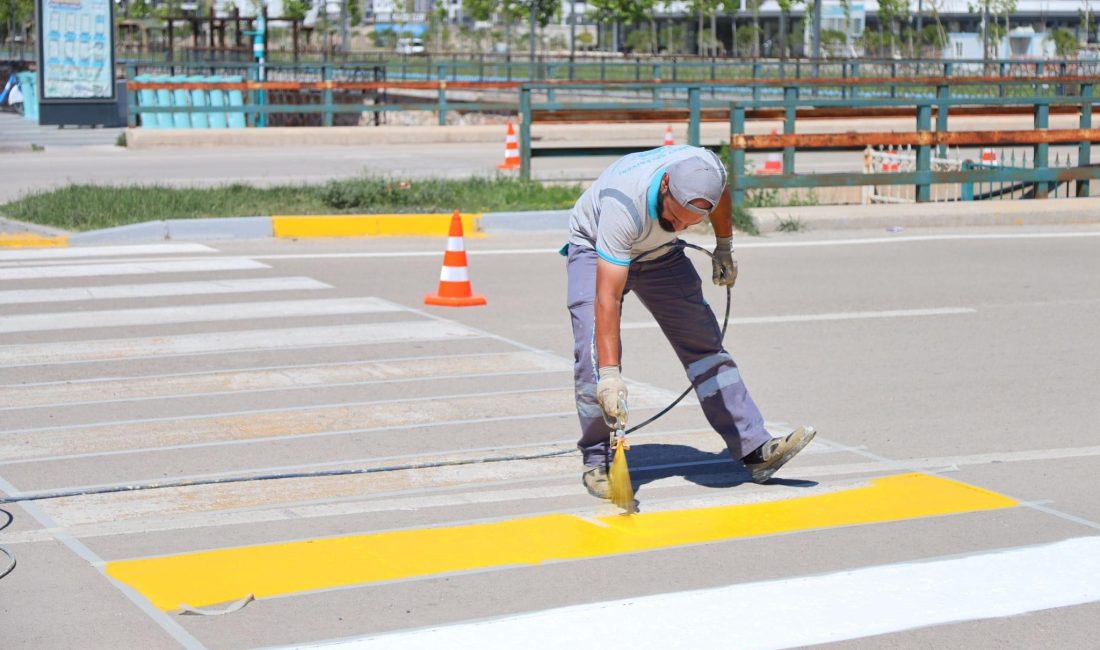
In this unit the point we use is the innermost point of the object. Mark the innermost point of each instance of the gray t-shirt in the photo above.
(617, 215)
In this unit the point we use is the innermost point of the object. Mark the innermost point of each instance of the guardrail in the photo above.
(639, 69)
(597, 100)
(1077, 95)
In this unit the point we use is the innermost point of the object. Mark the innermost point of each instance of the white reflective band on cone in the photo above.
(454, 274)
(455, 244)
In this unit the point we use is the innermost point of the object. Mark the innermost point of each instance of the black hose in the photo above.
(11, 556)
(60, 494)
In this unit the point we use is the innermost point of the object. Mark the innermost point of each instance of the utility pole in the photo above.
(534, 22)
(345, 20)
(573, 34)
(920, 29)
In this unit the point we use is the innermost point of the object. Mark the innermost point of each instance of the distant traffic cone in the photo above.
(511, 149)
(773, 164)
(454, 281)
(989, 157)
(669, 139)
(891, 164)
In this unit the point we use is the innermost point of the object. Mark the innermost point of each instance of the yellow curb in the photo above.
(372, 225)
(32, 240)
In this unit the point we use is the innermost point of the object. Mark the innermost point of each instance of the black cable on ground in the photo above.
(11, 556)
(60, 494)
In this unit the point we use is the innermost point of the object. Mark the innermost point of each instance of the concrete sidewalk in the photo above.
(828, 217)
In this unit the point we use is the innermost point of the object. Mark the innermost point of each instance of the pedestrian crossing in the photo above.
(214, 372)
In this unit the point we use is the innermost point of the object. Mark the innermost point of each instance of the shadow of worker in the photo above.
(650, 462)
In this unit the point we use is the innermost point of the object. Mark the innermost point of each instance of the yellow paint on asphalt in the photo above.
(32, 240)
(372, 225)
(222, 575)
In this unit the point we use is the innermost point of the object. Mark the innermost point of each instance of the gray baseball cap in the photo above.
(698, 177)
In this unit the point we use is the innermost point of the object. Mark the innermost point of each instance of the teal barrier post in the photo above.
(238, 119)
(199, 119)
(737, 154)
(146, 98)
(1084, 150)
(525, 133)
(163, 100)
(1041, 156)
(217, 98)
(326, 95)
(967, 186)
(924, 152)
(790, 114)
(694, 115)
(131, 97)
(442, 108)
(943, 93)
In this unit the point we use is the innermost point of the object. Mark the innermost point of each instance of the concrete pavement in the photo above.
(965, 355)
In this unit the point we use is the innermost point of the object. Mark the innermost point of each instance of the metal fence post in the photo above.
(967, 187)
(790, 114)
(924, 152)
(656, 80)
(1003, 69)
(855, 75)
(326, 94)
(1041, 155)
(755, 84)
(1084, 150)
(525, 133)
(442, 102)
(694, 115)
(943, 92)
(737, 155)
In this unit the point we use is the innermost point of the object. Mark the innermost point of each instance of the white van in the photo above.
(410, 46)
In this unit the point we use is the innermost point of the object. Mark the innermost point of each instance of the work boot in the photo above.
(595, 480)
(774, 453)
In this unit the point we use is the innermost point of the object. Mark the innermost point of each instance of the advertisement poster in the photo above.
(77, 43)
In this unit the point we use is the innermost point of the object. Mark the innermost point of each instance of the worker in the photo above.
(617, 233)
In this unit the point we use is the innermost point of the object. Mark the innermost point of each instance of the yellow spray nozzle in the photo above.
(622, 489)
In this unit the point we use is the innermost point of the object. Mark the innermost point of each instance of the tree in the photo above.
(785, 7)
(15, 18)
(891, 15)
(1065, 43)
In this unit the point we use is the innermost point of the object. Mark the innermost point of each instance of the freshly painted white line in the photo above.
(827, 608)
(130, 268)
(217, 342)
(102, 251)
(807, 318)
(211, 287)
(193, 314)
(742, 243)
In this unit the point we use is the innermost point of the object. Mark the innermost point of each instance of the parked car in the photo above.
(410, 46)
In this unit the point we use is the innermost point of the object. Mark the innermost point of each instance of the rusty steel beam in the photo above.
(722, 114)
(914, 138)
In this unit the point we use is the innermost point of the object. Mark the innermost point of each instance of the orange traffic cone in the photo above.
(773, 164)
(454, 281)
(892, 164)
(511, 149)
(669, 139)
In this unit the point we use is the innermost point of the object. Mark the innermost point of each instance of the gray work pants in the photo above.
(671, 290)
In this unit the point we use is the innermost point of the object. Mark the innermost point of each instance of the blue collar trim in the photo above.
(653, 192)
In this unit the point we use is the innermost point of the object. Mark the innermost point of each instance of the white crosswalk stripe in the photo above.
(161, 289)
(20, 255)
(193, 314)
(130, 268)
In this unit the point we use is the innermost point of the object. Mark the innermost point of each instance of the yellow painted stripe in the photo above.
(222, 575)
(372, 225)
(32, 240)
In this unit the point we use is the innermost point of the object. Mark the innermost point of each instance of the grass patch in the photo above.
(90, 207)
(791, 224)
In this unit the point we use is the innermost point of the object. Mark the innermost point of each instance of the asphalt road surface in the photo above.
(948, 501)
